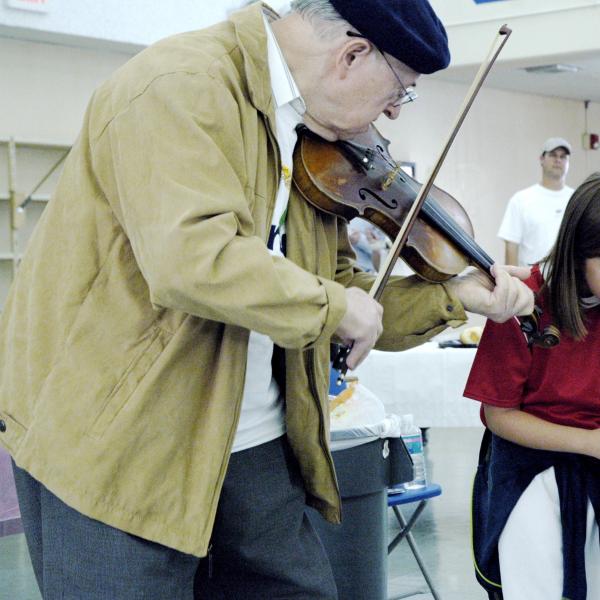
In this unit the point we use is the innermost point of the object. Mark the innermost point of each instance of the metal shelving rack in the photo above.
(17, 200)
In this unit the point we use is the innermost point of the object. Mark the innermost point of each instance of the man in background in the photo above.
(533, 215)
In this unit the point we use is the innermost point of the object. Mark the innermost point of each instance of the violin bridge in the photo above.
(390, 178)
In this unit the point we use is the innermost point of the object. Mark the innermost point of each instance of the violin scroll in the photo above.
(548, 337)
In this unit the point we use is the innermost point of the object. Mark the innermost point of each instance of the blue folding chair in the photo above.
(421, 496)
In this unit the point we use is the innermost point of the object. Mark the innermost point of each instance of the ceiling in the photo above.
(582, 85)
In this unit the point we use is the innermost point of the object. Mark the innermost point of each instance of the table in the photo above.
(426, 381)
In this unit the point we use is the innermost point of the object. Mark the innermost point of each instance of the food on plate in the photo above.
(471, 335)
(344, 395)
(355, 407)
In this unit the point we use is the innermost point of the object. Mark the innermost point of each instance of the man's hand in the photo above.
(521, 273)
(507, 298)
(361, 325)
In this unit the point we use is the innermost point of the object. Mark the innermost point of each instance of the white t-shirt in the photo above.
(532, 220)
(262, 417)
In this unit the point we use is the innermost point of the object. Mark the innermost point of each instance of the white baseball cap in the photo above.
(556, 142)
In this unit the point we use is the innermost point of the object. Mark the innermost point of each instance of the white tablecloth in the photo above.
(427, 381)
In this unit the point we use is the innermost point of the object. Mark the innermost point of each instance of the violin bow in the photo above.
(411, 217)
(339, 361)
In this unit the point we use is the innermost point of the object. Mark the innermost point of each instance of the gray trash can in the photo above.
(357, 548)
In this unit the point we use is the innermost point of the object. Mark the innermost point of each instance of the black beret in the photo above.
(409, 30)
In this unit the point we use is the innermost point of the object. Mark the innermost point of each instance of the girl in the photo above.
(537, 489)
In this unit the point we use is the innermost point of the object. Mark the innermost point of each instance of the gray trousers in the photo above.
(263, 546)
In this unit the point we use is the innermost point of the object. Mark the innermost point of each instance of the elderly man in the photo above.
(164, 350)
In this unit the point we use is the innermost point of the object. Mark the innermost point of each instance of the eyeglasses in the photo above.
(407, 94)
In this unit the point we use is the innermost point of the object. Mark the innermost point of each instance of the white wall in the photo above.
(115, 23)
(467, 11)
(44, 89)
(496, 151)
(540, 28)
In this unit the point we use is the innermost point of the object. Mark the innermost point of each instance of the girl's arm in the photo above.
(525, 429)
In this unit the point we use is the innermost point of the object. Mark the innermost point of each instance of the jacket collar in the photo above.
(252, 41)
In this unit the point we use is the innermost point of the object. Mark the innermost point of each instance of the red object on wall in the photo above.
(591, 141)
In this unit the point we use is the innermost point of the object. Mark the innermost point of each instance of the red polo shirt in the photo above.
(560, 384)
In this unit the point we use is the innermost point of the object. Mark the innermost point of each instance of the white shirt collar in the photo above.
(590, 302)
(285, 90)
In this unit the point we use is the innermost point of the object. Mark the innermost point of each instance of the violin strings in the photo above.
(441, 218)
(437, 214)
(459, 235)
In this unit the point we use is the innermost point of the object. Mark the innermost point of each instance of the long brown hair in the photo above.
(578, 239)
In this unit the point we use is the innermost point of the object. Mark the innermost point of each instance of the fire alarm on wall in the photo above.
(591, 141)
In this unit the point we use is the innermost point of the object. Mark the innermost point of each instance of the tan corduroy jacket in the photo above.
(123, 341)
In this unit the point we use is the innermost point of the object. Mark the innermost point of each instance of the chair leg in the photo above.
(406, 527)
(413, 546)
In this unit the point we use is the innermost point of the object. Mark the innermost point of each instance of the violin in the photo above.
(359, 178)
(432, 232)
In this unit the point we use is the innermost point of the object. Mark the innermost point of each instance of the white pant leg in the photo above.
(530, 546)
(592, 555)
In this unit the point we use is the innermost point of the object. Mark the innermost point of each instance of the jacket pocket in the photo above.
(129, 381)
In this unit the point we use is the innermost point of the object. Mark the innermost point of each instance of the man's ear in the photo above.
(354, 50)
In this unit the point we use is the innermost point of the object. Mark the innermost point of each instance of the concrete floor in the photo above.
(17, 581)
(442, 532)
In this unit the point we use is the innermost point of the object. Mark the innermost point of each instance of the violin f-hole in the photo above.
(365, 192)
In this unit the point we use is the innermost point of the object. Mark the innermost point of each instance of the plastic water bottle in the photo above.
(413, 440)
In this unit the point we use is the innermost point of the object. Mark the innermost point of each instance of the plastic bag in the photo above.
(358, 416)
(354, 407)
